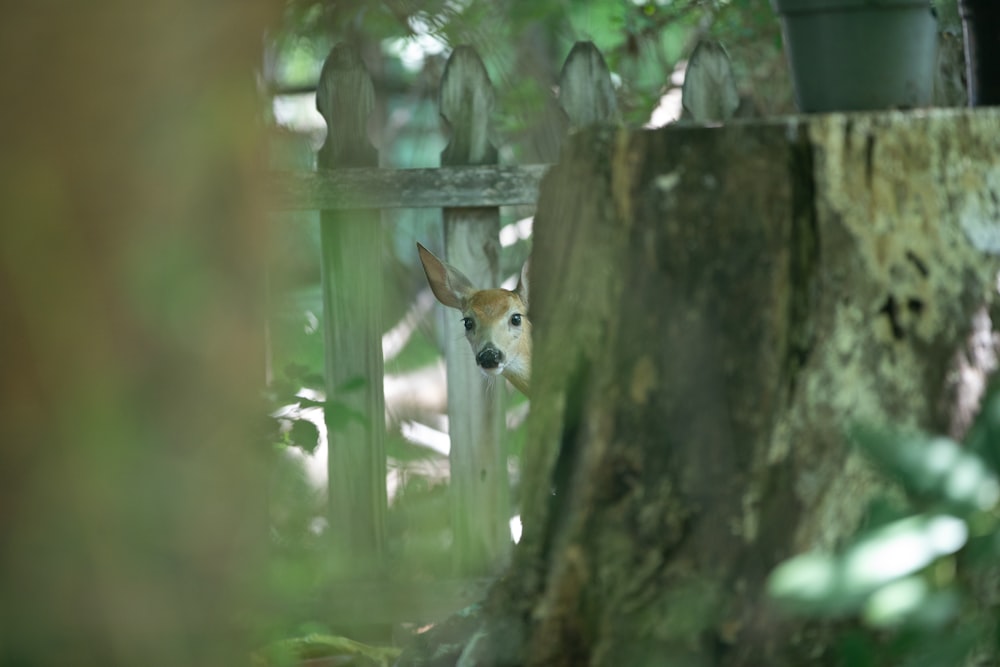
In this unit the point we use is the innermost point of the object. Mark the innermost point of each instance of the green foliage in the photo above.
(984, 436)
(345, 652)
(936, 470)
(297, 331)
(295, 430)
(523, 44)
(916, 570)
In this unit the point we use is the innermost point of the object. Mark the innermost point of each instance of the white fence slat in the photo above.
(479, 485)
(352, 277)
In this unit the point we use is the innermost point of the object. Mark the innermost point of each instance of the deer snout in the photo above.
(489, 357)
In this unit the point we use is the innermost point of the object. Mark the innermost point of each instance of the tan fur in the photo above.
(493, 314)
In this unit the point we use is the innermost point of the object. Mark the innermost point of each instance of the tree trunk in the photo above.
(712, 308)
(132, 250)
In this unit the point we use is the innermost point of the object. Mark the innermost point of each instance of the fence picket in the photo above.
(352, 305)
(479, 486)
(585, 90)
(709, 94)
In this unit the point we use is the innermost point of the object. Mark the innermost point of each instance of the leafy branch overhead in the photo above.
(522, 44)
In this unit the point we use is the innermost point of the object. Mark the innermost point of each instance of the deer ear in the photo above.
(449, 285)
(522, 283)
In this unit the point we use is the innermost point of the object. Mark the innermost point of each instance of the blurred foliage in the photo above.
(131, 473)
(345, 652)
(289, 426)
(523, 45)
(922, 576)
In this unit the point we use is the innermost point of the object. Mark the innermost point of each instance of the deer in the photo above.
(495, 320)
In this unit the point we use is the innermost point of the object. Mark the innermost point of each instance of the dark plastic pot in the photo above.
(981, 25)
(854, 55)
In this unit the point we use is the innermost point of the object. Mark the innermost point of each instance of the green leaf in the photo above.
(942, 649)
(856, 649)
(933, 467)
(900, 549)
(283, 391)
(832, 585)
(897, 602)
(338, 416)
(883, 509)
(984, 436)
(304, 435)
(813, 584)
(317, 646)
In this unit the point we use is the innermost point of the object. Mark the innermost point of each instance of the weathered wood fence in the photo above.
(350, 190)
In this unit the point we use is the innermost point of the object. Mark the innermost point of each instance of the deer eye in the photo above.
(515, 319)
(468, 323)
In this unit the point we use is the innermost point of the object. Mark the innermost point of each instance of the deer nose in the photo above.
(489, 357)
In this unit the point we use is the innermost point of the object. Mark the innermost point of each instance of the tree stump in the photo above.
(713, 307)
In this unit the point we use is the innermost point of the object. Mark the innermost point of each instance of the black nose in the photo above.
(489, 357)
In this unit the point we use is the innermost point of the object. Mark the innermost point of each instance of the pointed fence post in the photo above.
(480, 494)
(352, 315)
(709, 94)
(585, 90)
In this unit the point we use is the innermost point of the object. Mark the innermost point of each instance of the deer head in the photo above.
(496, 320)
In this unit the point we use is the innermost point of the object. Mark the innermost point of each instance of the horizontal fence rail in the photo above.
(437, 187)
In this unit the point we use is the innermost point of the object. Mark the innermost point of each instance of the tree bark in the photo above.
(712, 308)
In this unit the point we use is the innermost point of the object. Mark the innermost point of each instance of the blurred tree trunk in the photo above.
(131, 255)
(713, 307)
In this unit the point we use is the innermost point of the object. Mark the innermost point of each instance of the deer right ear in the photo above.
(449, 285)
(522, 282)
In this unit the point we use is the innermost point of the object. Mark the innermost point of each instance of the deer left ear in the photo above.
(522, 283)
(449, 285)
